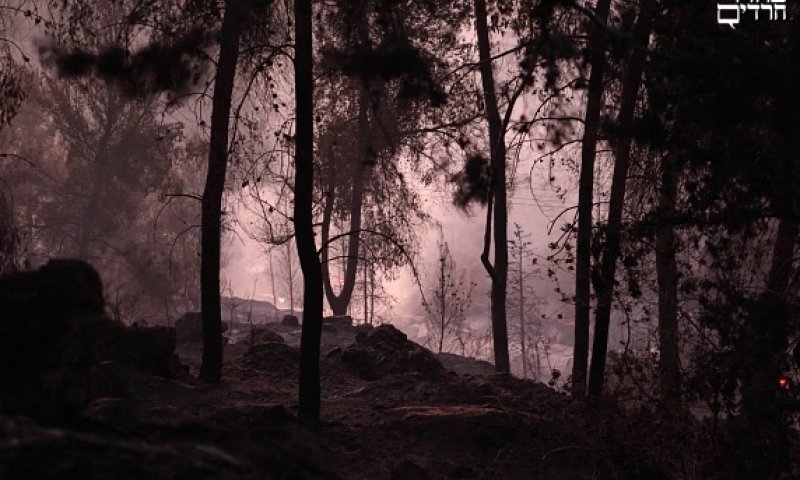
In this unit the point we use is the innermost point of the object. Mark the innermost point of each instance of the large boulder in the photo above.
(466, 365)
(290, 321)
(264, 335)
(386, 350)
(189, 328)
(148, 350)
(42, 308)
(58, 351)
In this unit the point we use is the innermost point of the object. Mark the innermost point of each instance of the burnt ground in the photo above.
(83, 397)
(390, 410)
(409, 420)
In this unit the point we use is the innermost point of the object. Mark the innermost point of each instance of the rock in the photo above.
(189, 328)
(41, 309)
(264, 335)
(332, 352)
(329, 328)
(148, 350)
(465, 365)
(386, 350)
(100, 357)
(338, 320)
(290, 321)
(58, 351)
(277, 358)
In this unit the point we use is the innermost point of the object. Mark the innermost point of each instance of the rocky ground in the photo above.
(390, 410)
(103, 401)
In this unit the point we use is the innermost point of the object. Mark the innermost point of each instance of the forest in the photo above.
(402, 239)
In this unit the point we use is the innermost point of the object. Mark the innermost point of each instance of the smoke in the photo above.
(473, 183)
(174, 65)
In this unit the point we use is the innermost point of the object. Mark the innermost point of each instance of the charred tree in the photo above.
(309, 391)
(339, 303)
(211, 210)
(611, 249)
(583, 260)
(497, 149)
(667, 278)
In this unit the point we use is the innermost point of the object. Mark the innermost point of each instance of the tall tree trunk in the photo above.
(780, 272)
(522, 316)
(366, 292)
(272, 278)
(766, 331)
(101, 174)
(611, 249)
(92, 209)
(372, 296)
(211, 214)
(442, 303)
(361, 163)
(339, 303)
(667, 276)
(327, 218)
(290, 273)
(583, 259)
(499, 272)
(309, 391)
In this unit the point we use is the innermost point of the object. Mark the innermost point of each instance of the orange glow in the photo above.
(783, 382)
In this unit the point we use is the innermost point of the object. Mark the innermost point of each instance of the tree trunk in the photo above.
(290, 273)
(499, 272)
(667, 276)
(780, 272)
(372, 296)
(272, 278)
(366, 292)
(611, 249)
(442, 303)
(211, 214)
(101, 162)
(92, 209)
(583, 260)
(765, 338)
(339, 303)
(309, 391)
(522, 316)
(327, 218)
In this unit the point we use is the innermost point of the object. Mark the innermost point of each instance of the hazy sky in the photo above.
(247, 264)
(534, 204)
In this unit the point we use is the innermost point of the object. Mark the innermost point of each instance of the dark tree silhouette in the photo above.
(611, 249)
(583, 259)
(211, 217)
(309, 406)
(498, 270)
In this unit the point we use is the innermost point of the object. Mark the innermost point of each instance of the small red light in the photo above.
(783, 382)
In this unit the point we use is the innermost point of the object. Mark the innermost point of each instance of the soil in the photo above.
(414, 420)
(106, 401)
